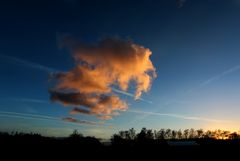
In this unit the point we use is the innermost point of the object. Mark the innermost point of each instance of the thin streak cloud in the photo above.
(204, 83)
(30, 115)
(219, 76)
(130, 95)
(27, 63)
(30, 100)
(181, 116)
(33, 65)
(48, 118)
(72, 120)
(26, 117)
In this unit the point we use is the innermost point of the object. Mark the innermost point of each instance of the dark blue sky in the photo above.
(195, 52)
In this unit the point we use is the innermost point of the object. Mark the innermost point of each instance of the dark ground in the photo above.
(34, 146)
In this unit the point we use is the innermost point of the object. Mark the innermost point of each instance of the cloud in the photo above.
(180, 3)
(76, 110)
(219, 76)
(73, 120)
(100, 69)
(203, 84)
(28, 115)
(181, 116)
(103, 106)
(30, 100)
(130, 95)
(46, 118)
(52, 72)
(27, 63)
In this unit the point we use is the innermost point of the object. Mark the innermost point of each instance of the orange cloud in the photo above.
(103, 106)
(76, 110)
(99, 67)
(69, 119)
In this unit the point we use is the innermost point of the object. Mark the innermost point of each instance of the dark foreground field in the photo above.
(26, 145)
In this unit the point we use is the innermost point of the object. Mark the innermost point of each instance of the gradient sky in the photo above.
(195, 50)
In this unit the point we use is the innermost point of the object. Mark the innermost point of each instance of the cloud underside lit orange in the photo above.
(110, 63)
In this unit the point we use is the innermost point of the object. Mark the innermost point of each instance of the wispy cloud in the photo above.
(166, 104)
(48, 118)
(204, 83)
(29, 64)
(28, 114)
(219, 76)
(130, 95)
(180, 116)
(73, 120)
(26, 63)
(212, 79)
(30, 100)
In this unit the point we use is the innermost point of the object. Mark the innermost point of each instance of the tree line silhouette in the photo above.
(169, 134)
(20, 138)
(128, 137)
(160, 137)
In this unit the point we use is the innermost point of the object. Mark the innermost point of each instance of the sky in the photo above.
(179, 59)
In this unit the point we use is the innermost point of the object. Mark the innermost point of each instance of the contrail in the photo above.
(51, 70)
(31, 100)
(25, 100)
(131, 95)
(204, 83)
(22, 117)
(43, 117)
(29, 115)
(28, 63)
(216, 77)
(180, 116)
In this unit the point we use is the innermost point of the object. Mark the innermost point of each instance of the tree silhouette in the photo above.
(192, 133)
(208, 134)
(186, 133)
(234, 136)
(132, 133)
(179, 134)
(168, 134)
(174, 134)
(225, 134)
(200, 133)
(161, 134)
(143, 134)
(130, 138)
(75, 134)
(149, 134)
